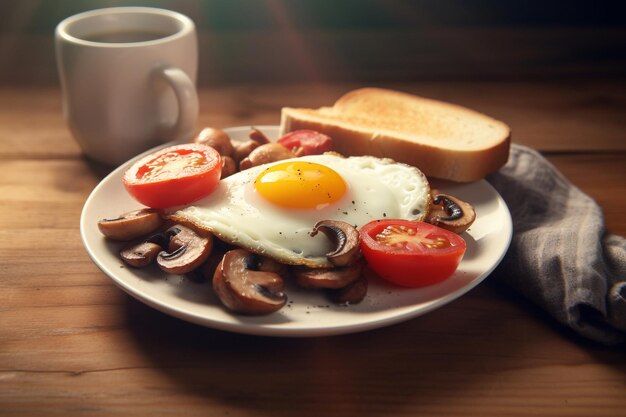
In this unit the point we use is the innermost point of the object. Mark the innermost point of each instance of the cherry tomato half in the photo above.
(309, 142)
(411, 254)
(173, 176)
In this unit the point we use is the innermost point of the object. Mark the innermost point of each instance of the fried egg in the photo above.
(271, 209)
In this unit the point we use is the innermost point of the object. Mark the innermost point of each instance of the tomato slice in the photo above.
(307, 142)
(411, 254)
(173, 176)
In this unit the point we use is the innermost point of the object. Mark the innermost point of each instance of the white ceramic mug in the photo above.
(128, 79)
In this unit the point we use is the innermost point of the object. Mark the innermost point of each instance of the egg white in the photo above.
(376, 189)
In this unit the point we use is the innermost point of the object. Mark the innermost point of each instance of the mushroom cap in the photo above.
(451, 213)
(245, 290)
(187, 250)
(331, 278)
(346, 238)
(141, 255)
(217, 139)
(131, 225)
(243, 149)
(229, 166)
(266, 153)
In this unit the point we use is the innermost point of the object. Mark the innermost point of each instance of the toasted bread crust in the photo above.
(443, 140)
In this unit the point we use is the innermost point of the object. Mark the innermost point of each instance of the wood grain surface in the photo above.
(73, 344)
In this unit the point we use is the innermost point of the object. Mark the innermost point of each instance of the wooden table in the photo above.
(72, 343)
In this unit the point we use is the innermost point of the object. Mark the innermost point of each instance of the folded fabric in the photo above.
(561, 257)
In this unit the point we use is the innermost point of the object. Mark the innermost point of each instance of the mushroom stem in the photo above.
(258, 136)
(173, 255)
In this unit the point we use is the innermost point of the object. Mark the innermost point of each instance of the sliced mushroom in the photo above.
(451, 213)
(206, 271)
(187, 250)
(229, 167)
(351, 294)
(346, 239)
(243, 288)
(332, 278)
(217, 139)
(243, 149)
(258, 136)
(270, 152)
(131, 225)
(141, 255)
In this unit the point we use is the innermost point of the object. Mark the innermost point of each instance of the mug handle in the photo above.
(187, 99)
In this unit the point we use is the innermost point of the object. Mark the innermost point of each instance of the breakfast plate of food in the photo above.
(269, 230)
(307, 312)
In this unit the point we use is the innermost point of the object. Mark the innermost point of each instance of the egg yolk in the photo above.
(299, 184)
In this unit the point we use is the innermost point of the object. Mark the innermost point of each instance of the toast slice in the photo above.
(443, 140)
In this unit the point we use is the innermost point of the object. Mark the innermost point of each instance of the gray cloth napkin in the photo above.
(561, 257)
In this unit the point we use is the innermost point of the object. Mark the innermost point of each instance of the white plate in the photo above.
(308, 313)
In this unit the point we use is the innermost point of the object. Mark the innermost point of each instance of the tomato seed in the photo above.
(401, 236)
